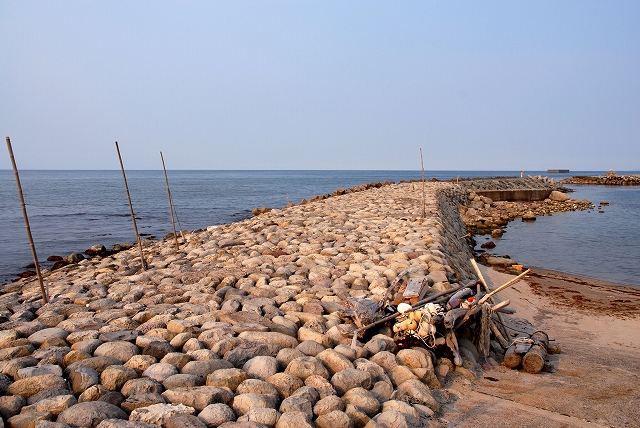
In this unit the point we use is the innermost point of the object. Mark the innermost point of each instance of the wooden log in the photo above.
(511, 358)
(500, 305)
(533, 361)
(499, 336)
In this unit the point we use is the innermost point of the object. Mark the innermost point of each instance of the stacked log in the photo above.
(530, 353)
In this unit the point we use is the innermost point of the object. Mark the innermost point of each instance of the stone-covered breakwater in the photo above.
(240, 327)
(605, 180)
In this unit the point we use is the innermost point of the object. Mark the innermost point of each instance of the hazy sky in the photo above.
(321, 84)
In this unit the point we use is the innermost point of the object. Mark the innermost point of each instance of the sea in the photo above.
(70, 211)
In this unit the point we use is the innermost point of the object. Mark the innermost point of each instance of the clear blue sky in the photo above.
(479, 85)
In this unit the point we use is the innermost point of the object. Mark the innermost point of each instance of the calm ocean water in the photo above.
(69, 211)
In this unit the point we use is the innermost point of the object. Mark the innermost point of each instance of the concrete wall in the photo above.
(516, 194)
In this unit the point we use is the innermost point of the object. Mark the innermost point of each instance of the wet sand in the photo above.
(594, 380)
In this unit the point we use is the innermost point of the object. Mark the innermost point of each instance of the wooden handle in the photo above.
(502, 287)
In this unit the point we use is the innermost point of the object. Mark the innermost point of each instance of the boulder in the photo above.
(90, 414)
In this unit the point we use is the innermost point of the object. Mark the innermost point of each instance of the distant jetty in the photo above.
(557, 171)
(611, 179)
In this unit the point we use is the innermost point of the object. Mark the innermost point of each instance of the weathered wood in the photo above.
(500, 305)
(43, 288)
(533, 361)
(511, 358)
(499, 335)
(491, 300)
(503, 286)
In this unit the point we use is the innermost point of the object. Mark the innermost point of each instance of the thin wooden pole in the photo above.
(43, 289)
(173, 223)
(503, 286)
(424, 213)
(133, 216)
(491, 300)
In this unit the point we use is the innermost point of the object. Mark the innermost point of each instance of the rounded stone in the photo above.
(90, 414)
(121, 350)
(160, 371)
(216, 414)
(303, 367)
(261, 367)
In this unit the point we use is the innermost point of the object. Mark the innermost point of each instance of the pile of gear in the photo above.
(419, 319)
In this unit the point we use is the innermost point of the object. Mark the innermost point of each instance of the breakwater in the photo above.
(605, 180)
(241, 323)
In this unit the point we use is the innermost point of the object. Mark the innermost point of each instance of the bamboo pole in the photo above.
(173, 223)
(43, 288)
(133, 216)
(424, 213)
(492, 300)
(503, 286)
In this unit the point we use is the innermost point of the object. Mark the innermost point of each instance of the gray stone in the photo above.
(392, 419)
(334, 419)
(184, 421)
(242, 403)
(328, 404)
(114, 377)
(183, 381)
(242, 353)
(198, 397)
(119, 423)
(261, 367)
(256, 386)
(351, 378)
(285, 383)
(39, 337)
(34, 384)
(414, 391)
(217, 414)
(205, 367)
(410, 413)
(160, 372)
(121, 351)
(303, 367)
(142, 399)
(334, 361)
(362, 399)
(294, 420)
(39, 370)
(159, 413)
(90, 414)
(228, 378)
(141, 385)
(82, 378)
(267, 417)
(11, 405)
(54, 405)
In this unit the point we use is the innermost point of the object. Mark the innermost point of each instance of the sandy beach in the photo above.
(594, 380)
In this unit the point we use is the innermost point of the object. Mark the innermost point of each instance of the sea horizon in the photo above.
(72, 210)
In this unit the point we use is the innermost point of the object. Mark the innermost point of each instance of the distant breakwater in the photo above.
(606, 180)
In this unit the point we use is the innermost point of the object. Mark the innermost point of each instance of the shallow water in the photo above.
(602, 243)
(70, 211)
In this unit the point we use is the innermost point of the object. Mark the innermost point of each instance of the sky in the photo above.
(478, 85)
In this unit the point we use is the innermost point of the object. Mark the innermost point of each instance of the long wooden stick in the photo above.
(133, 216)
(424, 210)
(173, 223)
(488, 290)
(43, 289)
(503, 286)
